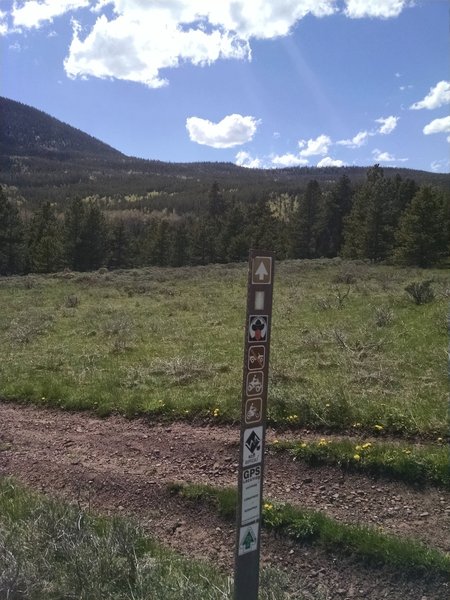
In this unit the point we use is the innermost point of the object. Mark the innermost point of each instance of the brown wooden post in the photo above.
(253, 424)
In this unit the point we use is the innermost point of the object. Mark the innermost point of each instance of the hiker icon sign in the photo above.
(257, 328)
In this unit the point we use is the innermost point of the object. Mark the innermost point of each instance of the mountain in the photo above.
(43, 159)
(27, 131)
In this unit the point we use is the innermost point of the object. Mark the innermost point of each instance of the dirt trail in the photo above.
(117, 465)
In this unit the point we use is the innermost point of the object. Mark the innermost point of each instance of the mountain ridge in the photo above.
(46, 159)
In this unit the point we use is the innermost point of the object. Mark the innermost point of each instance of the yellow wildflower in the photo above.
(358, 448)
(378, 427)
(356, 457)
(303, 445)
(268, 506)
(366, 445)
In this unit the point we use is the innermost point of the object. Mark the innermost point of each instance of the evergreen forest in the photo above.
(68, 201)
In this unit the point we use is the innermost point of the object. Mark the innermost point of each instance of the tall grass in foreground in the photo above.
(53, 551)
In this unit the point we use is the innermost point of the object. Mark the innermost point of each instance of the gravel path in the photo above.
(117, 465)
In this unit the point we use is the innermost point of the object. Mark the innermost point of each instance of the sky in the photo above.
(260, 83)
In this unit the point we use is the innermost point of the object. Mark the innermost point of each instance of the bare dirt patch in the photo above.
(120, 466)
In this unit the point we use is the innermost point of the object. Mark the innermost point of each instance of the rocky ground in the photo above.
(114, 465)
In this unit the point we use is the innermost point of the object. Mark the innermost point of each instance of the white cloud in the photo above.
(440, 166)
(3, 23)
(135, 40)
(380, 156)
(289, 160)
(145, 37)
(244, 159)
(385, 9)
(315, 147)
(137, 50)
(357, 141)
(436, 97)
(438, 126)
(232, 130)
(388, 124)
(330, 162)
(33, 13)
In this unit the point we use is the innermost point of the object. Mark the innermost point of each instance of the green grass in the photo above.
(58, 552)
(169, 343)
(405, 462)
(364, 544)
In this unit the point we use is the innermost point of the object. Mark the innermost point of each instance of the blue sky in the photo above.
(262, 83)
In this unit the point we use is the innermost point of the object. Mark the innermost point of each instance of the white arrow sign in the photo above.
(261, 271)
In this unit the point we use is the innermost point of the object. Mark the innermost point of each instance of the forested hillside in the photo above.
(70, 201)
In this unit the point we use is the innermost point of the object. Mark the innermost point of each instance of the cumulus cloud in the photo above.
(330, 162)
(33, 13)
(385, 9)
(150, 36)
(438, 126)
(380, 156)
(388, 124)
(357, 141)
(319, 146)
(436, 97)
(232, 130)
(135, 40)
(289, 160)
(244, 159)
(136, 50)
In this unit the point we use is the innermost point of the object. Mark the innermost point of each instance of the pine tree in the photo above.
(203, 242)
(179, 251)
(119, 246)
(45, 242)
(216, 202)
(161, 244)
(369, 228)
(422, 235)
(336, 206)
(305, 226)
(74, 222)
(93, 239)
(234, 242)
(11, 237)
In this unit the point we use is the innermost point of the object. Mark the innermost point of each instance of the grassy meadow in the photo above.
(350, 349)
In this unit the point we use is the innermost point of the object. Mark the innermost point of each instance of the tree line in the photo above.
(383, 219)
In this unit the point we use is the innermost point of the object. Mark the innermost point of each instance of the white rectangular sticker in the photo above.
(252, 452)
(251, 495)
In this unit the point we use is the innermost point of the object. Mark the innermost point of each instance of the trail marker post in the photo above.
(253, 424)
